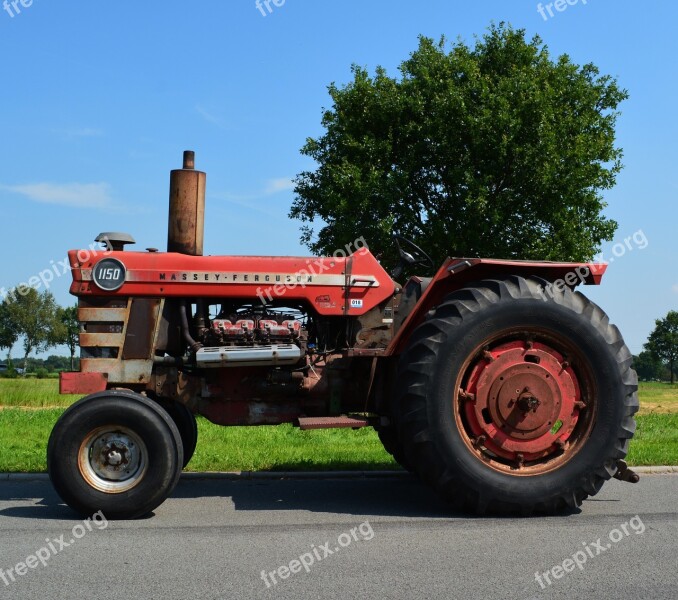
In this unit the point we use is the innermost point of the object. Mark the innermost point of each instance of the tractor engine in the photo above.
(251, 327)
(250, 336)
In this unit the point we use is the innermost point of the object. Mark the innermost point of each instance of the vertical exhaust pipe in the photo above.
(187, 208)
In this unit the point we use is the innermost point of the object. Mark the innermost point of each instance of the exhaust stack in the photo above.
(187, 208)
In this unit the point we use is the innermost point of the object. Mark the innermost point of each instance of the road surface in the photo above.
(374, 538)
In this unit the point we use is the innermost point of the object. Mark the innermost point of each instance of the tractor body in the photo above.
(248, 340)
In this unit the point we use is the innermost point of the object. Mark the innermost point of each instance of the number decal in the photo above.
(109, 274)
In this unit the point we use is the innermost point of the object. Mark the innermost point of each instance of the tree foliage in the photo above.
(496, 149)
(648, 367)
(34, 315)
(67, 331)
(9, 330)
(663, 341)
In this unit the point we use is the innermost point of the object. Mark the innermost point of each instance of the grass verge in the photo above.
(24, 435)
(33, 393)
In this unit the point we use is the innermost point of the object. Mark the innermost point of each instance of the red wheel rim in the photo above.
(524, 402)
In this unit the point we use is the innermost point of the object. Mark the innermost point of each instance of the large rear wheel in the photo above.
(516, 397)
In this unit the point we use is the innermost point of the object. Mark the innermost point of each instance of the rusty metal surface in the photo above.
(365, 352)
(141, 326)
(187, 209)
(252, 412)
(129, 372)
(169, 383)
(119, 342)
(376, 328)
(82, 383)
(110, 315)
(101, 340)
(625, 474)
(331, 422)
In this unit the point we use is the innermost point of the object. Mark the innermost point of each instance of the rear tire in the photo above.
(116, 452)
(513, 399)
(389, 439)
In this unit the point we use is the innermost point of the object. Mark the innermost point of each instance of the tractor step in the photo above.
(332, 423)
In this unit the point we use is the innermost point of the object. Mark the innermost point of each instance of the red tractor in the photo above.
(493, 381)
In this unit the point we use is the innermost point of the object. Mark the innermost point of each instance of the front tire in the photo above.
(187, 425)
(116, 452)
(516, 397)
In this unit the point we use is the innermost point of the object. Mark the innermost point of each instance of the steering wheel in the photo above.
(416, 256)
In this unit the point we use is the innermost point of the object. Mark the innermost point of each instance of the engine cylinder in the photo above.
(187, 208)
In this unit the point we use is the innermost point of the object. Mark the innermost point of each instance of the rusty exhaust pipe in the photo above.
(186, 228)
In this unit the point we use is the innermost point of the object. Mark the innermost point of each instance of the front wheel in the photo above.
(116, 452)
(187, 425)
(516, 397)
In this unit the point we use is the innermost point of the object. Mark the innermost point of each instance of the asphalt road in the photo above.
(213, 539)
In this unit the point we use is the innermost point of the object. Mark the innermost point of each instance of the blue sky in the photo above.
(99, 99)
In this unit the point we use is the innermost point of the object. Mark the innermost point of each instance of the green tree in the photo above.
(68, 330)
(495, 150)
(648, 367)
(9, 330)
(663, 341)
(35, 316)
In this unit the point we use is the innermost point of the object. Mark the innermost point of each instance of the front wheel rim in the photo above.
(525, 402)
(113, 459)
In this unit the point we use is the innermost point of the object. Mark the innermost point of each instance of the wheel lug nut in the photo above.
(479, 441)
(464, 395)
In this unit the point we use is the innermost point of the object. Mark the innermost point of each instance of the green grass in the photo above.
(284, 447)
(656, 440)
(29, 409)
(33, 393)
(24, 435)
(23, 439)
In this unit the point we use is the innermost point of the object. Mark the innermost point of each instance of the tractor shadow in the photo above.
(387, 496)
(36, 499)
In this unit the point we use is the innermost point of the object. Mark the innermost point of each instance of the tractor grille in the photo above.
(117, 336)
(102, 326)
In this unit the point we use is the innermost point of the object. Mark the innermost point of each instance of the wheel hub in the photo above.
(525, 401)
(112, 459)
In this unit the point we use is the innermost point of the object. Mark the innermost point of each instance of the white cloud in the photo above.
(211, 117)
(273, 186)
(79, 195)
(81, 132)
(252, 201)
(675, 288)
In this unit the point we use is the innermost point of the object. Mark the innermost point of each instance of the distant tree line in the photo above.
(39, 323)
(659, 359)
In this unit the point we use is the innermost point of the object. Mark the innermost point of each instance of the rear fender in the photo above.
(458, 272)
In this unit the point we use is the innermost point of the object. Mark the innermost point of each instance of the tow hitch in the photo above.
(625, 474)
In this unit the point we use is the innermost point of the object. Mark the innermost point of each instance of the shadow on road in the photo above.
(395, 497)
